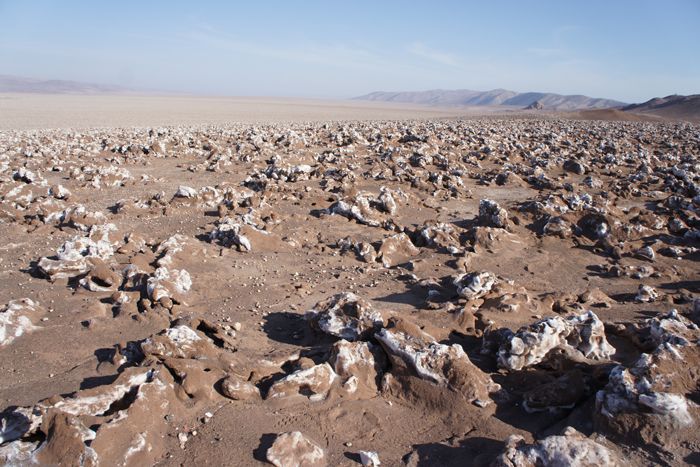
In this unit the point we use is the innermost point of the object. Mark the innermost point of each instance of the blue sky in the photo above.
(627, 50)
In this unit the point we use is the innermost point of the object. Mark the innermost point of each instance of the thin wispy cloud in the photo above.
(560, 33)
(421, 50)
(546, 52)
(338, 55)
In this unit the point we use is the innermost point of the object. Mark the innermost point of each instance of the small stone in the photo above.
(237, 389)
(646, 294)
(182, 437)
(646, 253)
(574, 166)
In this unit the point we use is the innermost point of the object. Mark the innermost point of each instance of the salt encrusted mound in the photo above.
(365, 208)
(345, 315)
(18, 317)
(81, 430)
(631, 390)
(210, 196)
(358, 209)
(228, 233)
(122, 422)
(185, 192)
(289, 173)
(79, 218)
(72, 258)
(359, 365)
(584, 335)
(236, 388)
(557, 226)
(27, 176)
(441, 235)
(97, 176)
(171, 250)
(101, 277)
(278, 175)
(646, 294)
(575, 166)
(396, 249)
(571, 449)
(293, 449)
(650, 398)
(314, 382)
(92, 256)
(474, 284)
(492, 215)
(179, 341)
(168, 283)
(366, 251)
(446, 366)
(185, 339)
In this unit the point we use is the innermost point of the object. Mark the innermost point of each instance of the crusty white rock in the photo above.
(293, 449)
(570, 449)
(345, 315)
(474, 284)
(315, 382)
(18, 317)
(583, 335)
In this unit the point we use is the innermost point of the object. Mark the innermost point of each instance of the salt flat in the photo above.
(43, 111)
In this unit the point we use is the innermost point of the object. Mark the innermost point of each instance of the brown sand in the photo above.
(556, 244)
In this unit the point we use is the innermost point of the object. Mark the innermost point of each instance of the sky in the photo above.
(618, 49)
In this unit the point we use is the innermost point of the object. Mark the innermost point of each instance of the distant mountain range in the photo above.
(674, 106)
(19, 84)
(500, 97)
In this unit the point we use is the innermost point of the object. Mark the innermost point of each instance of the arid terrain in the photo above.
(200, 281)
(37, 111)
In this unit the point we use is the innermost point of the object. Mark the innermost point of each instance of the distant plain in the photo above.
(41, 111)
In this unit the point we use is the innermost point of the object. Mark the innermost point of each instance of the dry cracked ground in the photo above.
(513, 292)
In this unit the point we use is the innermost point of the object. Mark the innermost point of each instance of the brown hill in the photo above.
(612, 115)
(495, 97)
(674, 107)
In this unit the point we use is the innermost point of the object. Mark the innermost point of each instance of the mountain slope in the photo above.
(19, 84)
(674, 106)
(464, 97)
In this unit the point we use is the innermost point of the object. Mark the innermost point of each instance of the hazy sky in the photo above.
(628, 50)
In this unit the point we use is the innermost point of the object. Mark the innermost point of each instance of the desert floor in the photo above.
(194, 278)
